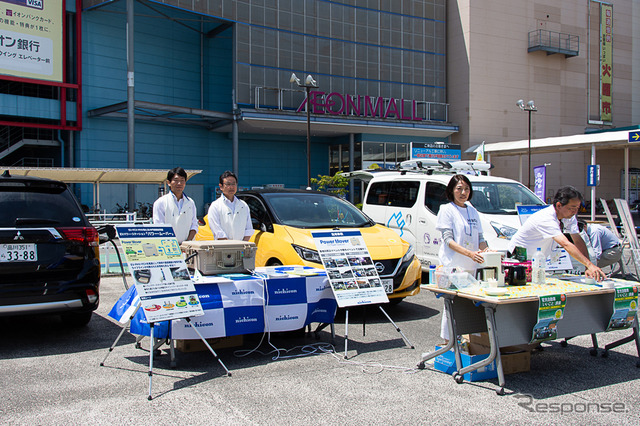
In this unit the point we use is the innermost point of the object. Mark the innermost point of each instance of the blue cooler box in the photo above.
(447, 364)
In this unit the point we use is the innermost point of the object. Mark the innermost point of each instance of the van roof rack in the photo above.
(429, 165)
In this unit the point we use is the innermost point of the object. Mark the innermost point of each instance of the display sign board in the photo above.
(634, 136)
(350, 269)
(525, 211)
(550, 311)
(31, 39)
(625, 306)
(559, 259)
(436, 150)
(161, 276)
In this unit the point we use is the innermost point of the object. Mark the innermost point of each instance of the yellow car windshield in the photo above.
(315, 210)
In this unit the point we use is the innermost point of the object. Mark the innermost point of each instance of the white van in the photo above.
(408, 199)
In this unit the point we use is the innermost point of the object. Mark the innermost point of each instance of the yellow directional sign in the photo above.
(634, 136)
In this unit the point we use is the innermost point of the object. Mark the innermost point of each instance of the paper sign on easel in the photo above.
(161, 276)
(350, 269)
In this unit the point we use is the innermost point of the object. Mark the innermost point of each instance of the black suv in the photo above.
(49, 252)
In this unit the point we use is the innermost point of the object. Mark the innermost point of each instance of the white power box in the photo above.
(220, 256)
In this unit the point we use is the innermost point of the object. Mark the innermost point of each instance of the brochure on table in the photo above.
(550, 311)
(350, 269)
(161, 276)
(559, 259)
(625, 305)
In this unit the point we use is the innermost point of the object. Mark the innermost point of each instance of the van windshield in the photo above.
(501, 197)
(315, 210)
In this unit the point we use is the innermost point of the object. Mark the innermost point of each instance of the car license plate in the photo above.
(388, 285)
(18, 253)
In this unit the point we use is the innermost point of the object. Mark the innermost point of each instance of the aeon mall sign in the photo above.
(336, 103)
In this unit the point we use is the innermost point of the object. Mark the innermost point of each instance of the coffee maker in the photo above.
(491, 268)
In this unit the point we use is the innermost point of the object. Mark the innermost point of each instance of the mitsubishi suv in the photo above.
(49, 259)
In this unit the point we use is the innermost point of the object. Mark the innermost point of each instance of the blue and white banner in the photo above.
(244, 305)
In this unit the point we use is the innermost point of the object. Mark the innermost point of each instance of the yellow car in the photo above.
(285, 218)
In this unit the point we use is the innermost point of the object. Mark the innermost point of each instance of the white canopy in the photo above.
(584, 142)
(96, 176)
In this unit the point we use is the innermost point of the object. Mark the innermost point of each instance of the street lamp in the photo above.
(309, 83)
(529, 107)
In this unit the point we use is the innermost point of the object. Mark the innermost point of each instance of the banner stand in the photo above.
(352, 275)
(346, 330)
(153, 346)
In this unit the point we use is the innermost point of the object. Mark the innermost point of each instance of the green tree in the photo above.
(336, 184)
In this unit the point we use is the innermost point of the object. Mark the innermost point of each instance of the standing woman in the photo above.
(462, 239)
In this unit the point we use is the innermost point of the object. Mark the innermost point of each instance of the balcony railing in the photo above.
(554, 42)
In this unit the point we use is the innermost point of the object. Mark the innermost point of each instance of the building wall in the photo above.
(489, 69)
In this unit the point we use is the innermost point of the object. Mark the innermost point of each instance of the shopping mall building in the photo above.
(207, 85)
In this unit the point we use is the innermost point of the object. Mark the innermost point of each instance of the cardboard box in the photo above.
(483, 339)
(512, 362)
(478, 338)
(515, 359)
(515, 362)
(198, 345)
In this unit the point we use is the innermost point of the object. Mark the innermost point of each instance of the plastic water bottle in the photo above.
(538, 268)
(432, 274)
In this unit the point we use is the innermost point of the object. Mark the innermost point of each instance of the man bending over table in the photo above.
(546, 228)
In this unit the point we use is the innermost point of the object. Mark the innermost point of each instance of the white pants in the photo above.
(444, 324)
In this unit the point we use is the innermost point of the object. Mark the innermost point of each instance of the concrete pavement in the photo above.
(51, 375)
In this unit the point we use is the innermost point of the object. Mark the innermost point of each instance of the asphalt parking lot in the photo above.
(52, 375)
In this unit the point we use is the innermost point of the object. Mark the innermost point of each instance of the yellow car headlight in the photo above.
(307, 254)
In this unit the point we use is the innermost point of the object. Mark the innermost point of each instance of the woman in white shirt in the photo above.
(462, 239)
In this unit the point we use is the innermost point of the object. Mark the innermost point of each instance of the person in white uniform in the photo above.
(547, 227)
(229, 217)
(462, 239)
(175, 208)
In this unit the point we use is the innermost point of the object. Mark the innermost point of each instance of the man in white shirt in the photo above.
(229, 217)
(547, 226)
(175, 208)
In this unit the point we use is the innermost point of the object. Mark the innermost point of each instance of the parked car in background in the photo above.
(49, 258)
(285, 218)
(408, 200)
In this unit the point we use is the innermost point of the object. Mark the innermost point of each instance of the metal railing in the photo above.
(554, 42)
(34, 162)
(98, 219)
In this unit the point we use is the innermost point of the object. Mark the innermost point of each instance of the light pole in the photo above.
(309, 83)
(529, 107)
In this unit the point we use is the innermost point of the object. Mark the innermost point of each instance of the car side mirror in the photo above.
(261, 226)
